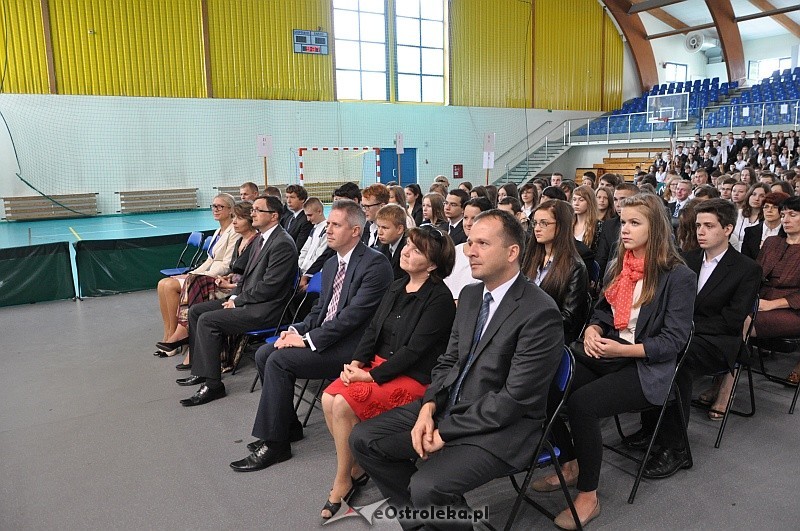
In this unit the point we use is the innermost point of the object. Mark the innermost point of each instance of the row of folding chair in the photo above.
(200, 245)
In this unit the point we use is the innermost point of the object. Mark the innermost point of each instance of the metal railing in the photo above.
(778, 113)
(523, 150)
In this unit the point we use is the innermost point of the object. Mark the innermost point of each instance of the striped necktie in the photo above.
(338, 280)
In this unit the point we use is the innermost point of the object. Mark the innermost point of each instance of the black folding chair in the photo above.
(742, 362)
(676, 399)
(546, 454)
(786, 345)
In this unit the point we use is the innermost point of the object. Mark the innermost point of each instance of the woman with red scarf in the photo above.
(637, 330)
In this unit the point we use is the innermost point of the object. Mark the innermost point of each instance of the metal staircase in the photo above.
(536, 161)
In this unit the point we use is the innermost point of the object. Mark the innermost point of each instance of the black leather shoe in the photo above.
(638, 441)
(183, 366)
(166, 347)
(255, 445)
(666, 462)
(204, 395)
(262, 458)
(191, 380)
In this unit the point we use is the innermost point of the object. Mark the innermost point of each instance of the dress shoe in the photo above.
(638, 441)
(183, 366)
(565, 520)
(295, 434)
(166, 346)
(263, 457)
(665, 463)
(191, 380)
(204, 395)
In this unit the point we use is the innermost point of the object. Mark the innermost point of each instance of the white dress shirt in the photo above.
(707, 267)
(314, 247)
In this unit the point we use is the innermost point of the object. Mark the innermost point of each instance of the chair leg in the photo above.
(255, 381)
(684, 428)
(300, 396)
(728, 407)
(313, 403)
(794, 400)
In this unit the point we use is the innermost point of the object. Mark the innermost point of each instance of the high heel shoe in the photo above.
(166, 346)
(168, 354)
(361, 480)
(333, 508)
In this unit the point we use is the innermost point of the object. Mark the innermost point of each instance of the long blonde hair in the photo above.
(661, 255)
(592, 214)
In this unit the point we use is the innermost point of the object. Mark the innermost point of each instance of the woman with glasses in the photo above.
(755, 236)
(630, 347)
(392, 364)
(553, 263)
(218, 263)
(433, 211)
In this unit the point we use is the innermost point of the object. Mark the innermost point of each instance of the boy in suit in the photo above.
(391, 222)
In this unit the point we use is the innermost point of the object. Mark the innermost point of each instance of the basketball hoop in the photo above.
(664, 119)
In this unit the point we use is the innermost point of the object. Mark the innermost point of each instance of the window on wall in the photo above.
(758, 70)
(675, 72)
(367, 33)
(360, 43)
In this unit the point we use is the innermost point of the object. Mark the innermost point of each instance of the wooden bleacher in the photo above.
(50, 207)
(157, 200)
(623, 161)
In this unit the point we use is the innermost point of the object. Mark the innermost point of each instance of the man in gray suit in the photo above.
(256, 302)
(354, 281)
(487, 399)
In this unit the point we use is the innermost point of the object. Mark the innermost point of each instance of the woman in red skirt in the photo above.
(392, 364)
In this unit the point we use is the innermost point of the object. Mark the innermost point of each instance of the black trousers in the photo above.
(209, 323)
(279, 368)
(702, 358)
(594, 396)
(382, 446)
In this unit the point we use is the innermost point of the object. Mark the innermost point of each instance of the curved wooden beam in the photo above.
(729, 37)
(635, 34)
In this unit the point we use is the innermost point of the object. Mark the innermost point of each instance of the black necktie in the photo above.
(483, 315)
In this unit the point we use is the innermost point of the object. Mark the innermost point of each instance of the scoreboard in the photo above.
(313, 42)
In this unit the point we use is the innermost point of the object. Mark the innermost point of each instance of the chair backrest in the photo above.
(753, 315)
(195, 239)
(565, 369)
(315, 284)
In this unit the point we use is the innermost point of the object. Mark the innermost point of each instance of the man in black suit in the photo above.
(256, 302)
(454, 212)
(607, 245)
(391, 222)
(353, 283)
(374, 197)
(483, 412)
(294, 219)
(727, 286)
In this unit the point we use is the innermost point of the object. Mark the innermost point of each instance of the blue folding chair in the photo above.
(545, 453)
(195, 240)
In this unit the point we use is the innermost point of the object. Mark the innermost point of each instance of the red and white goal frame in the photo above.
(377, 151)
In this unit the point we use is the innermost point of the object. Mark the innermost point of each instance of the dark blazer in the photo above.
(751, 243)
(457, 233)
(299, 229)
(726, 299)
(662, 328)
(418, 340)
(365, 282)
(267, 280)
(416, 212)
(503, 397)
(366, 233)
(607, 246)
(575, 307)
(395, 259)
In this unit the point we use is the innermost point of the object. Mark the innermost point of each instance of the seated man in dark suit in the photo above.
(454, 212)
(256, 302)
(486, 403)
(391, 222)
(353, 284)
(294, 220)
(726, 289)
(609, 237)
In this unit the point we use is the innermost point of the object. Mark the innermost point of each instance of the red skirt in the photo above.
(369, 399)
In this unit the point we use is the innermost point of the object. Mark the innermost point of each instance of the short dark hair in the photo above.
(554, 192)
(628, 187)
(298, 190)
(723, 209)
(610, 178)
(793, 203)
(513, 233)
(273, 203)
(461, 194)
(273, 191)
(350, 191)
(437, 247)
(516, 207)
(479, 202)
(706, 190)
(776, 198)
(590, 174)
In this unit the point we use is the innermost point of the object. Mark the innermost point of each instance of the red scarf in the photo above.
(620, 293)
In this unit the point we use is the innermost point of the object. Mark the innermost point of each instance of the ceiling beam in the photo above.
(683, 30)
(664, 17)
(754, 16)
(635, 34)
(729, 37)
(647, 5)
(779, 17)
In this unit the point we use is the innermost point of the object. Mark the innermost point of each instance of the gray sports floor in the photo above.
(92, 437)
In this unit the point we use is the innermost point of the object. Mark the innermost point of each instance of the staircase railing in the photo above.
(522, 150)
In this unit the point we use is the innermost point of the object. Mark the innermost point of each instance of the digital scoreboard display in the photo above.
(313, 42)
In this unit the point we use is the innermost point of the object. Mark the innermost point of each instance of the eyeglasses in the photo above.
(542, 223)
(432, 231)
(217, 207)
(264, 211)
(365, 206)
(454, 205)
